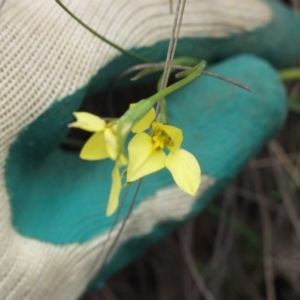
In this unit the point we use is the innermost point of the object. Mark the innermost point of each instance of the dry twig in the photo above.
(267, 237)
(281, 181)
(191, 266)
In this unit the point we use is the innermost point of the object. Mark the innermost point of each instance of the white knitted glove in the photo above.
(45, 59)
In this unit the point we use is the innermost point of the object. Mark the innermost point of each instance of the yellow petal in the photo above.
(142, 159)
(145, 122)
(122, 160)
(173, 132)
(94, 148)
(111, 141)
(115, 190)
(88, 122)
(185, 170)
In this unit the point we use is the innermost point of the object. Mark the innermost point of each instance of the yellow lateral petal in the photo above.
(115, 190)
(173, 132)
(145, 122)
(142, 159)
(88, 122)
(185, 170)
(94, 148)
(111, 141)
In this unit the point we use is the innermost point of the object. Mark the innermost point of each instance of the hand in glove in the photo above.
(53, 224)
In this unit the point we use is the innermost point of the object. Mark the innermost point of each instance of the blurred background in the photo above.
(245, 245)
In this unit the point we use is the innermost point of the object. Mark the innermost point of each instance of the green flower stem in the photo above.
(135, 113)
(289, 74)
(162, 116)
(128, 53)
(193, 74)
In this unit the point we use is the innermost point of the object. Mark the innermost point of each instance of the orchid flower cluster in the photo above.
(155, 145)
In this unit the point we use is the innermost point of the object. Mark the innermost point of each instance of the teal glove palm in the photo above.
(53, 222)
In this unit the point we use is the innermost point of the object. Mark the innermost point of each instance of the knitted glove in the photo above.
(54, 232)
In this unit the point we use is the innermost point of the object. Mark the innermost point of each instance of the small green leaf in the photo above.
(186, 73)
(145, 72)
(290, 74)
(184, 61)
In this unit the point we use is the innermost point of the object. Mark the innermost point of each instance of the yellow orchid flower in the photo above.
(104, 144)
(101, 145)
(147, 155)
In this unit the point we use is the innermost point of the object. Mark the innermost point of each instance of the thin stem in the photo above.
(286, 162)
(123, 224)
(179, 67)
(266, 224)
(94, 247)
(281, 181)
(242, 86)
(116, 219)
(177, 31)
(128, 53)
(173, 43)
(177, 85)
(172, 49)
